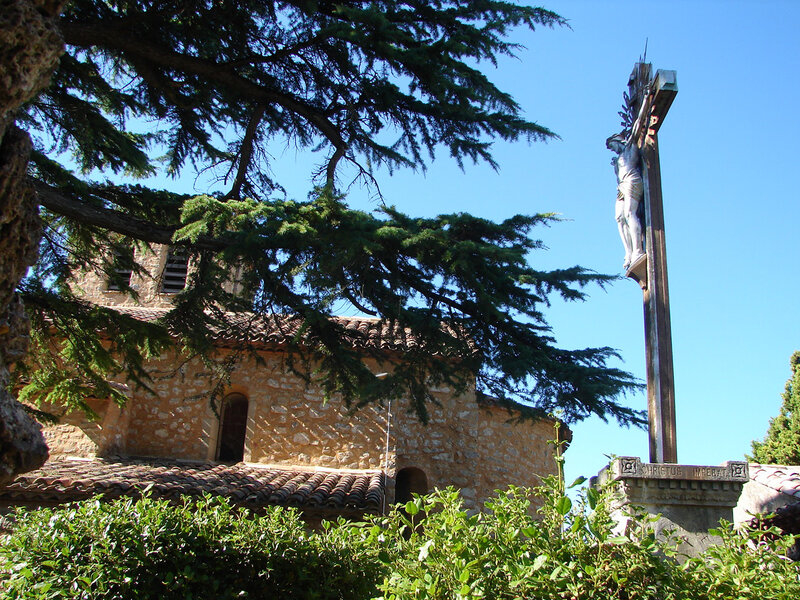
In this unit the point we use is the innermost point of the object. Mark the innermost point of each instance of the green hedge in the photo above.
(206, 549)
(432, 549)
(571, 553)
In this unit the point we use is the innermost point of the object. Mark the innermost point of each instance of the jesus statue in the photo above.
(629, 195)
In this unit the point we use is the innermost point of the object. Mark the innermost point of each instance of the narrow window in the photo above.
(233, 428)
(122, 267)
(173, 280)
(409, 481)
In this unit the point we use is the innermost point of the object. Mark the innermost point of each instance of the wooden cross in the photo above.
(655, 94)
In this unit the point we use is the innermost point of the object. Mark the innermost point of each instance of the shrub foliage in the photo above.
(143, 549)
(432, 549)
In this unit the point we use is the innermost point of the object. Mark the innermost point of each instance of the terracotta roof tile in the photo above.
(268, 330)
(66, 480)
(782, 478)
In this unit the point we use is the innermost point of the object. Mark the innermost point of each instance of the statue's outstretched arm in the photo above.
(644, 113)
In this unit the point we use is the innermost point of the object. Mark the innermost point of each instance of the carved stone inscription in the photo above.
(629, 466)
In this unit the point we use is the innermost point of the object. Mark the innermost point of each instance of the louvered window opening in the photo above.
(123, 268)
(173, 280)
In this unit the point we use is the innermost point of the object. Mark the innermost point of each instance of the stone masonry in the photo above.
(469, 445)
(465, 444)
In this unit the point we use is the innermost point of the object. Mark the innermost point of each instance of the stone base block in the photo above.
(689, 499)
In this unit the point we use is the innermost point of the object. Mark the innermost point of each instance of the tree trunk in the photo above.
(30, 46)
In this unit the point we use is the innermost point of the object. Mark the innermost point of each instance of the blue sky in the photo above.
(730, 205)
(731, 211)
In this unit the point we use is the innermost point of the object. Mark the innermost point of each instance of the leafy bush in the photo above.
(749, 563)
(505, 553)
(204, 549)
(569, 553)
(432, 549)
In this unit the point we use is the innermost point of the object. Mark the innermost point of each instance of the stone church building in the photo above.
(274, 440)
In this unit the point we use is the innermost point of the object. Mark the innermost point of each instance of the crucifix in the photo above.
(647, 102)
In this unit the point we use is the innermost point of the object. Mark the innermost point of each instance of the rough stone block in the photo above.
(689, 499)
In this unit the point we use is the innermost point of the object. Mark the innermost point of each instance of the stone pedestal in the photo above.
(689, 499)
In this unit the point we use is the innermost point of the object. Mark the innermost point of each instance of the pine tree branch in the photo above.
(344, 78)
(111, 38)
(107, 218)
(246, 151)
(166, 86)
(281, 54)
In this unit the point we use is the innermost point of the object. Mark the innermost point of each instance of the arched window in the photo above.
(408, 481)
(232, 428)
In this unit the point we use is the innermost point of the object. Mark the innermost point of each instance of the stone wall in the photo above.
(289, 424)
(93, 285)
(74, 435)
